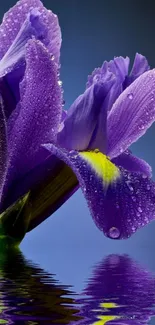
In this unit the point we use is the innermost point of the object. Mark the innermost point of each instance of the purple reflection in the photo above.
(120, 291)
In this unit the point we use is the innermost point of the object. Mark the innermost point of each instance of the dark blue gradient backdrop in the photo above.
(93, 31)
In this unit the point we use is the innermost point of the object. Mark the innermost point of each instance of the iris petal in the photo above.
(116, 69)
(16, 16)
(37, 115)
(132, 114)
(83, 117)
(120, 202)
(133, 163)
(31, 27)
(140, 66)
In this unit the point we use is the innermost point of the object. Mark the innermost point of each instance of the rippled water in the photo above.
(119, 291)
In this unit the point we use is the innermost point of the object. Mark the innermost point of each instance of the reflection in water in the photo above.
(120, 292)
(29, 295)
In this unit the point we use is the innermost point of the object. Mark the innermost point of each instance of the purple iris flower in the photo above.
(115, 110)
(120, 292)
(46, 153)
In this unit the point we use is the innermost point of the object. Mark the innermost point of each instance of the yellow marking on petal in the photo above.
(104, 319)
(108, 305)
(102, 165)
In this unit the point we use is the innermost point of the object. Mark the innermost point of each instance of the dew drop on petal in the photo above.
(60, 83)
(96, 78)
(130, 96)
(114, 233)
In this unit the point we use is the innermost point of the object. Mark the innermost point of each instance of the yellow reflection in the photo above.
(103, 319)
(108, 305)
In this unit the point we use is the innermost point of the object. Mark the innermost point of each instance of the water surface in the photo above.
(119, 290)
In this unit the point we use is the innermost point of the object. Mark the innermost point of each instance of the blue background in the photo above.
(68, 243)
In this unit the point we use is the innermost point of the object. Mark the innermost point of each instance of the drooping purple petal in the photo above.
(133, 163)
(120, 202)
(3, 147)
(132, 114)
(37, 116)
(129, 205)
(140, 66)
(16, 16)
(83, 117)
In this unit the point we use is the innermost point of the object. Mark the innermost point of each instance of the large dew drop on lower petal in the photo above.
(114, 233)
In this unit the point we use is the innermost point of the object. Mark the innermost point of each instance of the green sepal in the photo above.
(14, 222)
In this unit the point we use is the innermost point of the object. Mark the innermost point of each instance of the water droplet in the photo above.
(96, 150)
(114, 233)
(71, 152)
(140, 209)
(129, 184)
(148, 187)
(96, 78)
(60, 83)
(144, 176)
(130, 96)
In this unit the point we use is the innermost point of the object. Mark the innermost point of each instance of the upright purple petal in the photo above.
(38, 114)
(132, 114)
(116, 69)
(14, 19)
(3, 147)
(83, 117)
(140, 66)
(25, 20)
(119, 66)
(33, 27)
(133, 163)
(120, 202)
